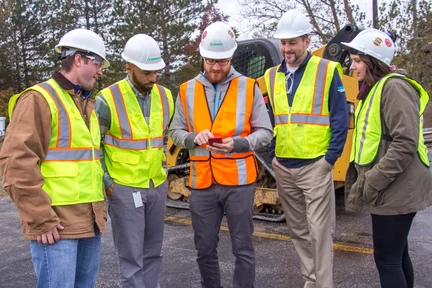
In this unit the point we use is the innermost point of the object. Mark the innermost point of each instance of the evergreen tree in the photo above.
(170, 22)
(192, 61)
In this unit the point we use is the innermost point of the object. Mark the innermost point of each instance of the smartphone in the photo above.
(214, 140)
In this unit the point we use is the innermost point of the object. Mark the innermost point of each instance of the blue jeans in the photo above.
(67, 263)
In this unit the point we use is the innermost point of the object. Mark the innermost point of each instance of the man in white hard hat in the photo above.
(134, 114)
(308, 102)
(51, 169)
(221, 118)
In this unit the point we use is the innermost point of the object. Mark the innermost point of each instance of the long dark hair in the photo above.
(376, 70)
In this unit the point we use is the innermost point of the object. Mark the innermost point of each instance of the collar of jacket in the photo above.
(68, 86)
(283, 68)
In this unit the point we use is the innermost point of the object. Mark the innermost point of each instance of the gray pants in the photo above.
(207, 207)
(138, 233)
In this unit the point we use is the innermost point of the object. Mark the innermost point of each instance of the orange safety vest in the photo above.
(232, 120)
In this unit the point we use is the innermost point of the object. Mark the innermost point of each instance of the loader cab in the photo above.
(253, 57)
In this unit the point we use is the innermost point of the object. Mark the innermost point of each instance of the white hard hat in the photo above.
(374, 43)
(292, 24)
(83, 40)
(218, 41)
(144, 52)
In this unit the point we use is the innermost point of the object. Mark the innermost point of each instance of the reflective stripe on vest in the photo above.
(141, 144)
(134, 148)
(368, 130)
(72, 155)
(71, 169)
(63, 129)
(308, 120)
(125, 126)
(231, 120)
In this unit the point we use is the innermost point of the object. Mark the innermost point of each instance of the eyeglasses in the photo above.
(98, 62)
(289, 82)
(222, 62)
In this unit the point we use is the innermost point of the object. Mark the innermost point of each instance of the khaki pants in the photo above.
(307, 196)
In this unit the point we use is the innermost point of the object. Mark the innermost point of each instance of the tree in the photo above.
(7, 50)
(192, 61)
(22, 36)
(326, 16)
(417, 57)
(57, 18)
(170, 22)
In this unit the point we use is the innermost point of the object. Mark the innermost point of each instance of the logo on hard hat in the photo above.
(153, 59)
(378, 41)
(204, 34)
(388, 43)
(216, 44)
(231, 33)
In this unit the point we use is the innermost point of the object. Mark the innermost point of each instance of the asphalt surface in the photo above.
(277, 262)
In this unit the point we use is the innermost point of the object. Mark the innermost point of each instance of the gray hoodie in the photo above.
(260, 121)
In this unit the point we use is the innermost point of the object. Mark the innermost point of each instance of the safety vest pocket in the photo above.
(61, 182)
(234, 171)
(127, 158)
(124, 166)
(200, 174)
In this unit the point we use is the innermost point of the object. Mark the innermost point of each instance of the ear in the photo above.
(129, 67)
(307, 41)
(78, 59)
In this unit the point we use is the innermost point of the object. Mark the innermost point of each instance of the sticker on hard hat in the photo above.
(231, 33)
(153, 59)
(388, 43)
(216, 44)
(378, 41)
(204, 34)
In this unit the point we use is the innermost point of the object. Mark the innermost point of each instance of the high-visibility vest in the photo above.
(303, 130)
(368, 130)
(133, 149)
(71, 170)
(232, 120)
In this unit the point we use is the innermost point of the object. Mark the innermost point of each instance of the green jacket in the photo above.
(396, 182)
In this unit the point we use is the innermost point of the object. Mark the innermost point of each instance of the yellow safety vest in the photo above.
(71, 169)
(133, 149)
(303, 130)
(368, 130)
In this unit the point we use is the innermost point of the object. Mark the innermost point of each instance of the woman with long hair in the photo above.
(389, 174)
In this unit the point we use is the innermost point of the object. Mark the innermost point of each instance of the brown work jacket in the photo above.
(397, 182)
(24, 149)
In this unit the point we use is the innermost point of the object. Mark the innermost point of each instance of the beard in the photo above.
(142, 87)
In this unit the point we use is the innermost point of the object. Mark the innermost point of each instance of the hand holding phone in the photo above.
(213, 140)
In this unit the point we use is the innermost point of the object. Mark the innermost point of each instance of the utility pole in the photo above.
(375, 14)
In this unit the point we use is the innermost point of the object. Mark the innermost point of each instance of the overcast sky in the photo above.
(232, 8)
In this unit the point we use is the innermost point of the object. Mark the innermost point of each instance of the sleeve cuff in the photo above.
(330, 158)
(108, 181)
(377, 180)
(241, 145)
(189, 141)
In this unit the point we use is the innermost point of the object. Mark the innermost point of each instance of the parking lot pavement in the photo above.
(277, 262)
